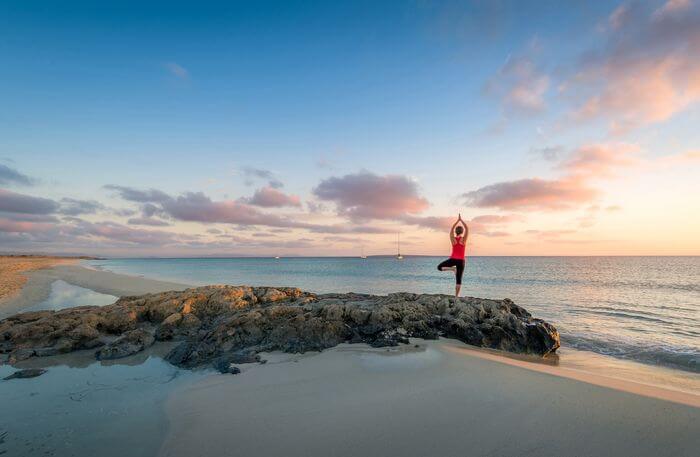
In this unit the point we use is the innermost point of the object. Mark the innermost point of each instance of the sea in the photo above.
(646, 309)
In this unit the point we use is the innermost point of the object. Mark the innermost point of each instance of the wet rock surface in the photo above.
(227, 325)
(24, 374)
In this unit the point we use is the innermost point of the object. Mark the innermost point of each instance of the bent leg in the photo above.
(446, 265)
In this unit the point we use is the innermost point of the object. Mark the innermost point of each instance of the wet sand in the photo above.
(38, 285)
(440, 399)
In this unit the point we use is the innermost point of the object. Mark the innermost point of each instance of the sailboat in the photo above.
(362, 255)
(398, 247)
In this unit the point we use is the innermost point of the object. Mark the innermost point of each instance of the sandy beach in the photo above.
(438, 399)
(14, 269)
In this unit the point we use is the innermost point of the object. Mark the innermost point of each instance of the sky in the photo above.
(326, 128)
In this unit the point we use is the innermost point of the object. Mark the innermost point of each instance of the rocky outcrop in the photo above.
(226, 325)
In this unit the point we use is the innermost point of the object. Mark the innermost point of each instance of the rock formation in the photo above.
(226, 325)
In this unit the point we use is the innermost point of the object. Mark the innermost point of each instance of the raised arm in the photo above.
(452, 232)
(466, 229)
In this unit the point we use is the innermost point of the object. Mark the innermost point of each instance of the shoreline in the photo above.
(38, 285)
(568, 362)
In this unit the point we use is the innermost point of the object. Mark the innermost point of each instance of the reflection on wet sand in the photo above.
(85, 407)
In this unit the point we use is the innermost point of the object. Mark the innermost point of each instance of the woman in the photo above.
(456, 260)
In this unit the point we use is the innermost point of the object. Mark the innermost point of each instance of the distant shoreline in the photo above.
(14, 269)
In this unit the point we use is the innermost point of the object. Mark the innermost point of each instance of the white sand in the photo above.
(439, 400)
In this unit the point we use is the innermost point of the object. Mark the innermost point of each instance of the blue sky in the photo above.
(183, 97)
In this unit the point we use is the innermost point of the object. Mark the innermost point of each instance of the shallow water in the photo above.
(81, 407)
(64, 295)
(641, 308)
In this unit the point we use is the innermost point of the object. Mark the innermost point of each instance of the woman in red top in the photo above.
(456, 260)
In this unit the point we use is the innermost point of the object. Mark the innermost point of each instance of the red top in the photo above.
(458, 249)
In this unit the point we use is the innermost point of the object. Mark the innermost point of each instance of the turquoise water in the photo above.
(641, 308)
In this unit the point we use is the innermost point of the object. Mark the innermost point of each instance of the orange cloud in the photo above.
(648, 70)
(570, 191)
(597, 160)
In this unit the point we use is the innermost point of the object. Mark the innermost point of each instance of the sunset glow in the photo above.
(329, 129)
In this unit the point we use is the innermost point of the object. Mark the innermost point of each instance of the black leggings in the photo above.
(459, 263)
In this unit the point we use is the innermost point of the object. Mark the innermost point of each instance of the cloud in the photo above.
(569, 191)
(73, 207)
(12, 202)
(429, 222)
(348, 228)
(550, 233)
(258, 173)
(493, 219)
(119, 232)
(147, 221)
(532, 193)
(365, 195)
(177, 70)
(647, 70)
(198, 207)
(10, 176)
(520, 85)
(549, 153)
(598, 160)
(139, 196)
(672, 7)
(14, 226)
(270, 197)
(494, 234)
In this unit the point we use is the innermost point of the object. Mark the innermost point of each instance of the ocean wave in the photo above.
(684, 358)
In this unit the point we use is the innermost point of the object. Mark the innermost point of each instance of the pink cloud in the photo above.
(648, 70)
(13, 226)
(494, 219)
(532, 193)
(365, 195)
(597, 160)
(520, 85)
(197, 207)
(569, 191)
(270, 197)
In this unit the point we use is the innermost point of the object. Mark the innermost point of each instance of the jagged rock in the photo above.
(227, 368)
(129, 343)
(28, 373)
(217, 324)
